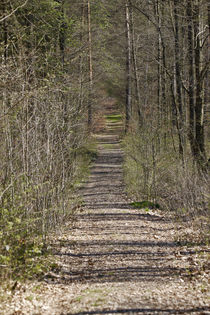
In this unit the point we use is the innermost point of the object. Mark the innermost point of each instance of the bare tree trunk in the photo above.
(135, 70)
(128, 67)
(62, 34)
(90, 67)
(178, 86)
(5, 31)
(200, 153)
(159, 57)
(191, 133)
(163, 63)
(81, 66)
(161, 72)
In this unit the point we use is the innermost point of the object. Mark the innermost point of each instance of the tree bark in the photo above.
(200, 154)
(135, 70)
(90, 67)
(5, 30)
(128, 67)
(62, 35)
(81, 65)
(191, 133)
(178, 86)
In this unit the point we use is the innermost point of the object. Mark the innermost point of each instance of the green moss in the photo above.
(145, 204)
(114, 118)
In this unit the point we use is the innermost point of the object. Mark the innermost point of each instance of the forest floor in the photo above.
(117, 259)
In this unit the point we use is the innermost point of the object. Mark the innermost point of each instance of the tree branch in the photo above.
(13, 12)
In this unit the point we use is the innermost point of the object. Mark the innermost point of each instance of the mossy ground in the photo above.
(113, 118)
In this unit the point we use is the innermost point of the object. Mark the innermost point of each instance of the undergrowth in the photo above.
(154, 172)
(24, 227)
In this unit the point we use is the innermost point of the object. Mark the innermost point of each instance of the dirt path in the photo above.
(116, 259)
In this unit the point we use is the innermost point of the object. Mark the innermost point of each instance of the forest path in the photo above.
(117, 259)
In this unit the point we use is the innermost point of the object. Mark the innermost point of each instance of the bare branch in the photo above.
(13, 12)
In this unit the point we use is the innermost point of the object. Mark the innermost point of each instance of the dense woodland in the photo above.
(58, 58)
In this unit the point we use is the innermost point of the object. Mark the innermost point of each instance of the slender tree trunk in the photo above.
(161, 76)
(5, 31)
(159, 57)
(191, 133)
(62, 35)
(135, 70)
(81, 65)
(90, 67)
(163, 59)
(200, 153)
(178, 86)
(128, 67)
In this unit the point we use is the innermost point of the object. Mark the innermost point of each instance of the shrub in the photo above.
(154, 171)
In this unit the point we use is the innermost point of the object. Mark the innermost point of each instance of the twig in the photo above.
(7, 16)
(10, 185)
